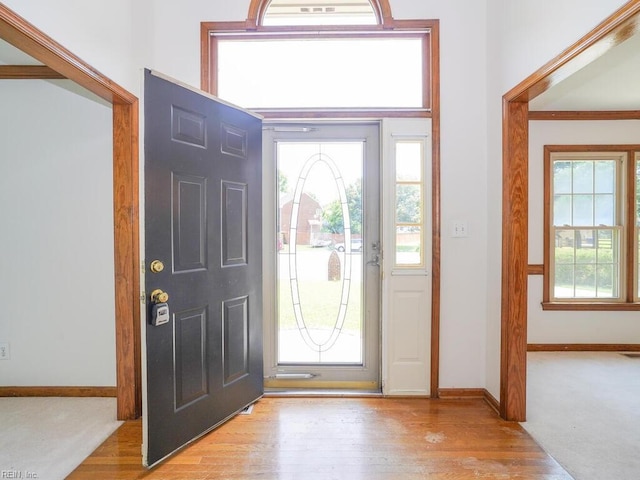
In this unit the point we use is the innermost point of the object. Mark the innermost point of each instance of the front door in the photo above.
(324, 328)
(202, 354)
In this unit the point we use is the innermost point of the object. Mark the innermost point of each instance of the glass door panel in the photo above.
(320, 262)
(325, 319)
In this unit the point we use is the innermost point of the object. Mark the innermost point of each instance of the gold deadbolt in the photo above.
(158, 296)
(156, 266)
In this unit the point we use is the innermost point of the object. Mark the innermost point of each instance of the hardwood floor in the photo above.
(341, 438)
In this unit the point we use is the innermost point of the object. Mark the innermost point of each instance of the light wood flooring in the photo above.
(341, 438)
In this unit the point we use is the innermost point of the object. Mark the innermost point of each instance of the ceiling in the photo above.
(612, 82)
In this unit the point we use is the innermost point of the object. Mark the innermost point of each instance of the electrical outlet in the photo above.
(5, 353)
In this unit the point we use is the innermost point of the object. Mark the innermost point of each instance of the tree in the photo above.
(408, 199)
(332, 218)
(283, 182)
(354, 201)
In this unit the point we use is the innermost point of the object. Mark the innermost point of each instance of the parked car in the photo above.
(356, 245)
(320, 243)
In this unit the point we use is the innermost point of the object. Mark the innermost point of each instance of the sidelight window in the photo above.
(409, 203)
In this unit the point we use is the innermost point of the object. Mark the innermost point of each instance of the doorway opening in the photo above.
(322, 265)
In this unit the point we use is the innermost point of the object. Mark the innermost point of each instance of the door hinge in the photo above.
(143, 298)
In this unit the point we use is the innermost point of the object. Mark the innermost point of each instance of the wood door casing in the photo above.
(26, 37)
(515, 123)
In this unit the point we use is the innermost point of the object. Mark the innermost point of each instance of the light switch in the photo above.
(459, 229)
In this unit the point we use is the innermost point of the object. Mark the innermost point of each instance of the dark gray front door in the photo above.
(203, 230)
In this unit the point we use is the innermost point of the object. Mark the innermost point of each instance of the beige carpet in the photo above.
(46, 438)
(584, 410)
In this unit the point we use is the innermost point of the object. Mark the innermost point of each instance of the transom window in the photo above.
(591, 213)
(321, 58)
(321, 72)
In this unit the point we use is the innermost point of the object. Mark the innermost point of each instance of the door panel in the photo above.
(203, 222)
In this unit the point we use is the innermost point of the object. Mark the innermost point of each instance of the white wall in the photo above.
(463, 73)
(73, 343)
(487, 47)
(57, 282)
(172, 46)
(99, 32)
(570, 327)
(167, 35)
(521, 37)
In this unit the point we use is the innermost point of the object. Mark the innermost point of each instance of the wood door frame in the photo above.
(614, 30)
(26, 37)
(208, 83)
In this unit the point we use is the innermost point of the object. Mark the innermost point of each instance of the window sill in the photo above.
(594, 306)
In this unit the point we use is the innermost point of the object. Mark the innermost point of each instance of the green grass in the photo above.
(582, 270)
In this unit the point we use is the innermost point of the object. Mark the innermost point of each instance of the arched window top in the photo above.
(319, 12)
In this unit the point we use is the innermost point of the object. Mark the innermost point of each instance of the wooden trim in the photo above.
(24, 36)
(208, 48)
(627, 147)
(591, 306)
(385, 11)
(205, 55)
(436, 209)
(627, 206)
(583, 347)
(586, 115)
(127, 258)
(338, 114)
(427, 69)
(492, 401)
(466, 393)
(208, 82)
(400, 27)
(514, 261)
(58, 391)
(537, 269)
(457, 393)
(610, 33)
(256, 12)
(28, 72)
(614, 30)
(280, 31)
(546, 228)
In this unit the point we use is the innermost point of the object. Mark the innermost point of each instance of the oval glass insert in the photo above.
(306, 270)
(320, 261)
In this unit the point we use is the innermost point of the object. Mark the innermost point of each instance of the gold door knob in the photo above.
(156, 266)
(158, 296)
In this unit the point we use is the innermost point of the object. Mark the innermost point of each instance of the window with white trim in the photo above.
(591, 217)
